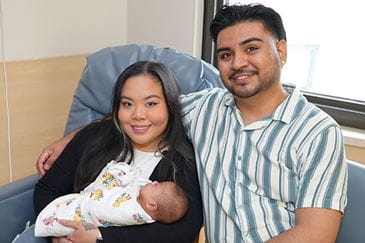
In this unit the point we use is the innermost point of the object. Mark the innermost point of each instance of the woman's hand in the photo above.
(84, 232)
(61, 240)
(51, 152)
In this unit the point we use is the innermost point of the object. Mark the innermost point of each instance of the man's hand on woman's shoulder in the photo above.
(50, 153)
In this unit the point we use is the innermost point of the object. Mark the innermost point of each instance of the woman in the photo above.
(145, 130)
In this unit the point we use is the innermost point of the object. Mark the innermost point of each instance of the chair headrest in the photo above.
(93, 95)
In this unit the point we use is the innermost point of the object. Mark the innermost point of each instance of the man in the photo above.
(271, 165)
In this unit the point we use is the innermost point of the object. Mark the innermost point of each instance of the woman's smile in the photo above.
(140, 129)
(143, 113)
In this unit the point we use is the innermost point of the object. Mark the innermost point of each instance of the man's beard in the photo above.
(240, 91)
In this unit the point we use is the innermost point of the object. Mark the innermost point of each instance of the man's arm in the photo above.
(52, 152)
(322, 189)
(312, 225)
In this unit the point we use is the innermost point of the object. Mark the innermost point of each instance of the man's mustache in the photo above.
(243, 71)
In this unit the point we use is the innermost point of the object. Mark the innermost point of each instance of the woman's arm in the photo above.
(185, 230)
(59, 179)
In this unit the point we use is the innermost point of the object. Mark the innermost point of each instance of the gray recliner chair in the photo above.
(92, 101)
(353, 224)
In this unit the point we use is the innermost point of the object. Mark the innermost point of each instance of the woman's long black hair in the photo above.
(110, 141)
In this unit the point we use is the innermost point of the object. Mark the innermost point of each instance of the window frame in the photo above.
(345, 111)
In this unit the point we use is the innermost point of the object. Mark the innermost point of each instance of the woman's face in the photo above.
(143, 113)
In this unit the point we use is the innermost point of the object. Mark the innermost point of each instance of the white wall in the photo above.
(166, 23)
(46, 28)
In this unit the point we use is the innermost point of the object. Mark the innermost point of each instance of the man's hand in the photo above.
(84, 232)
(51, 152)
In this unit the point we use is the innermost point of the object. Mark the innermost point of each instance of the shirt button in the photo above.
(239, 157)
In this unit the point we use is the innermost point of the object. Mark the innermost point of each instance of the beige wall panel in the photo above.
(4, 168)
(355, 153)
(40, 95)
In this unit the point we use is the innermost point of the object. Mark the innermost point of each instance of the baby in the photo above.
(118, 197)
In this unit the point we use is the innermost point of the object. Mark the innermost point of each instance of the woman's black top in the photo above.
(59, 181)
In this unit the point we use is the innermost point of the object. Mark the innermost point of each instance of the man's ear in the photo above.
(281, 46)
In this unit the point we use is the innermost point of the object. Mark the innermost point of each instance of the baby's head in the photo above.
(164, 201)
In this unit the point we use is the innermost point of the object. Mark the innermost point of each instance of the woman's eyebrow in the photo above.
(152, 96)
(125, 97)
(146, 98)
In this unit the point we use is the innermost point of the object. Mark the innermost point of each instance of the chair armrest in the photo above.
(352, 225)
(16, 207)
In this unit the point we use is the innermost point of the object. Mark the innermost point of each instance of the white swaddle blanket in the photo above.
(110, 200)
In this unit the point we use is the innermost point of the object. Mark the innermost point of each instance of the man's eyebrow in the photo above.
(241, 43)
(250, 40)
(223, 49)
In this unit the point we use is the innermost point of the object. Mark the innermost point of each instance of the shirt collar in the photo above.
(290, 108)
(229, 99)
(286, 112)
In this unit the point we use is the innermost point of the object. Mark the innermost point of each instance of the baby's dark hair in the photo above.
(172, 204)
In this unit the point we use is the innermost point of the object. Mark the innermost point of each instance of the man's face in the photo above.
(249, 58)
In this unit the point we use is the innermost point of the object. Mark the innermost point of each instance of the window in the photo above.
(325, 53)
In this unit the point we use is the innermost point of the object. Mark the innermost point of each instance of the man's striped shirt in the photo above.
(253, 177)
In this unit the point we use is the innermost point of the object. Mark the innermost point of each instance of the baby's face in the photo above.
(154, 188)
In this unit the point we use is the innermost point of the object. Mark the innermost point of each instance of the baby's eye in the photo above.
(151, 104)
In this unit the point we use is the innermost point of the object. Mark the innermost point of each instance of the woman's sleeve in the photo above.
(185, 230)
(59, 179)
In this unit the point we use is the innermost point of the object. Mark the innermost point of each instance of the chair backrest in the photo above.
(92, 99)
(353, 223)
